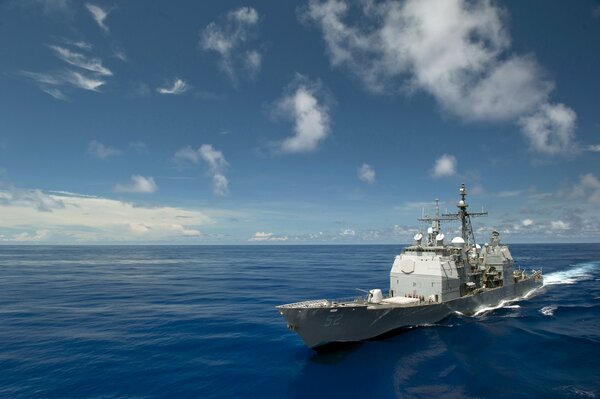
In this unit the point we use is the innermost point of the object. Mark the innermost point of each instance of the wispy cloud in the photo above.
(89, 77)
(304, 103)
(178, 86)
(80, 60)
(227, 37)
(593, 148)
(215, 161)
(138, 184)
(456, 51)
(139, 147)
(99, 14)
(101, 151)
(445, 166)
(366, 173)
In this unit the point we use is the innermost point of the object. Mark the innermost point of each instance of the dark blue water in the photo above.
(104, 322)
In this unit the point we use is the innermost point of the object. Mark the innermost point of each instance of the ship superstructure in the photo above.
(428, 281)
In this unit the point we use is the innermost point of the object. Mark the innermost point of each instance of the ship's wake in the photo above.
(583, 271)
(506, 304)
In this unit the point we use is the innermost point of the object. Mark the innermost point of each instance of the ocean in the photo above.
(200, 322)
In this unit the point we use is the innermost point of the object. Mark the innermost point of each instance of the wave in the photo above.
(548, 310)
(582, 272)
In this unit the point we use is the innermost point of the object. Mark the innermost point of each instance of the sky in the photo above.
(310, 122)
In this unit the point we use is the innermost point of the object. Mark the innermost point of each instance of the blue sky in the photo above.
(307, 122)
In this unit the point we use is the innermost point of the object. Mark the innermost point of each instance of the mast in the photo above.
(465, 217)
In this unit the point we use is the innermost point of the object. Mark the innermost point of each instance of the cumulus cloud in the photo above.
(347, 233)
(550, 130)
(588, 188)
(101, 151)
(178, 86)
(99, 14)
(445, 166)
(593, 148)
(559, 225)
(457, 51)
(527, 222)
(215, 161)
(262, 236)
(304, 103)
(366, 173)
(138, 184)
(227, 37)
(94, 219)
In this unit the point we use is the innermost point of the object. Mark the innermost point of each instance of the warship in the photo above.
(429, 281)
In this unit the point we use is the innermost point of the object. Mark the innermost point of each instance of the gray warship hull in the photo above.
(320, 326)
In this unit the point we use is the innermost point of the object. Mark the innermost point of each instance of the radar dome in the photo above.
(458, 242)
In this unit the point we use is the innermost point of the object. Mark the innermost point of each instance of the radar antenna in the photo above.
(465, 217)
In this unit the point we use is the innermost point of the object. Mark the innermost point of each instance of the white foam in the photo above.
(548, 310)
(572, 276)
(481, 311)
(512, 306)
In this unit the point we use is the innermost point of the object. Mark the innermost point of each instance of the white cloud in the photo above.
(527, 222)
(366, 173)
(139, 147)
(83, 82)
(348, 233)
(178, 86)
(99, 15)
(457, 51)
(81, 61)
(101, 151)
(589, 188)
(138, 184)
(214, 159)
(309, 113)
(593, 147)
(262, 236)
(559, 225)
(52, 83)
(550, 130)
(95, 219)
(37, 199)
(253, 62)
(445, 166)
(226, 38)
(39, 235)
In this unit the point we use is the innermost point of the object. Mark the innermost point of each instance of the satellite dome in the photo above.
(440, 237)
(461, 203)
(458, 242)
(418, 237)
(430, 230)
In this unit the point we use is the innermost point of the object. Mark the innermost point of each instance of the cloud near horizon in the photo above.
(76, 218)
